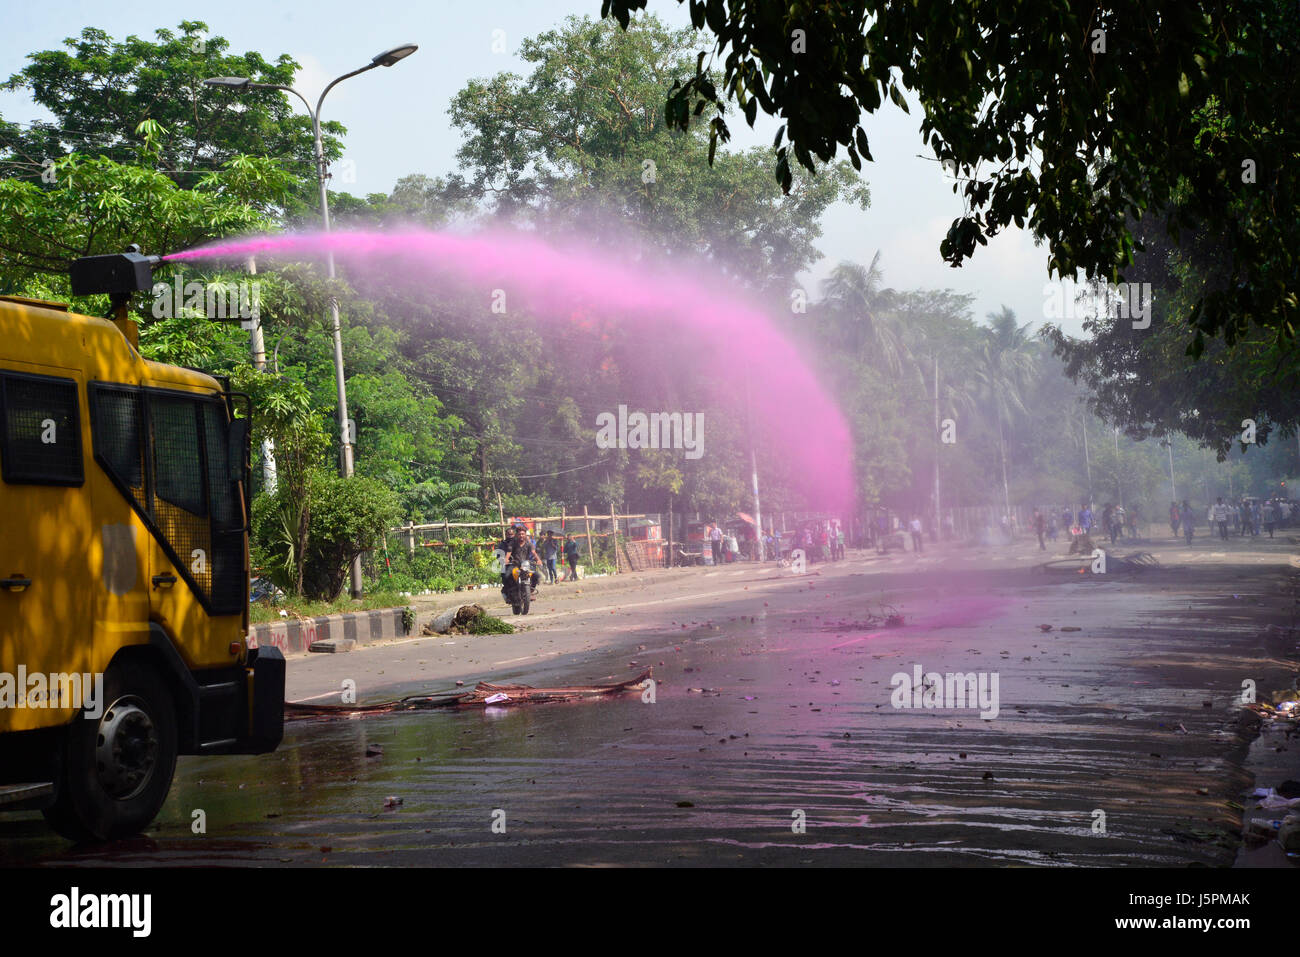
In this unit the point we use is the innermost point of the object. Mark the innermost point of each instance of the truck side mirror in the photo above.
(237, 449)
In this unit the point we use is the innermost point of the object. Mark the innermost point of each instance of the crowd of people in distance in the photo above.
(1248, 516)
(824, 540)
(820, 540)
(1113, 521)
(1245, 517)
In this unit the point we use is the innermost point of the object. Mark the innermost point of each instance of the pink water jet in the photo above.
(558, 282)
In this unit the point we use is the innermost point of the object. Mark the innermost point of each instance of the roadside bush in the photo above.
(401, 582)
(347, 517)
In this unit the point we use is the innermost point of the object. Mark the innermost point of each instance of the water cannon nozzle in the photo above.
(116, 274)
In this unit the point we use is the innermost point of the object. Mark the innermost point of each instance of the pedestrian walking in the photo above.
(550, 550)
(1188, 519)
(715, 540)
(1219, 515)
(571, 556)
(1040, 526)
(916, 534)
(1175, 517)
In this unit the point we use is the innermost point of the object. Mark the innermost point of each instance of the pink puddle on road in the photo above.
(568, 282)
(854, 641)
(954, 613)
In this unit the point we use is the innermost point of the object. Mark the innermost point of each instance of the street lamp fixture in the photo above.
(389, 57)
(386, 58)
(234, 82)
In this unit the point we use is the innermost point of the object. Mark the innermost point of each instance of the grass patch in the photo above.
(487, 625)
(261, 612)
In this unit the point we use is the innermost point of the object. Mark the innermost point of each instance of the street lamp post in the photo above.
(1119, 481)
(387, 58)
(1168, 443)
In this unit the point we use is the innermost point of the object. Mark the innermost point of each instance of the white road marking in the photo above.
(328, 694)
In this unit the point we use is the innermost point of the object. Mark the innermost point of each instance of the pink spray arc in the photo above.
(787, 401)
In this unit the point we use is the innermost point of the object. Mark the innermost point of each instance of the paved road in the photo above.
(774, 737)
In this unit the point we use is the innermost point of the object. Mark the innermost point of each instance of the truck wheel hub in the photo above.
(126, 749)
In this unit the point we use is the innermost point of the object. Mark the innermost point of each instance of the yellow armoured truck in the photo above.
(123, 566)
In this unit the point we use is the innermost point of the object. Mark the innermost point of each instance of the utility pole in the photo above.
(257, 348)
(938, 446)
(1086, 460)
(1173, 492)
(241, 83)
(753, 471)
(1119, 484)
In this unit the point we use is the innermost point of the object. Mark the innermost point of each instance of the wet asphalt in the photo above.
(773, 739)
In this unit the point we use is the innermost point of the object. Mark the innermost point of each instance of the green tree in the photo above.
(100, 206)
(1070, 117)
(1006, 363)
(349, 516)
(859, 312)
(100, 89)
(1142, 378)
(582, 143)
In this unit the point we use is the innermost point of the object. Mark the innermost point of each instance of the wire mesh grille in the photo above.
(42, 430)
(118, 433)
(193, 502)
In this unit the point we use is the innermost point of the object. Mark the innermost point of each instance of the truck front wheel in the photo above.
(117, 766)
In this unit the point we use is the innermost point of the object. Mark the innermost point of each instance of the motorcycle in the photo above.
(518, 590)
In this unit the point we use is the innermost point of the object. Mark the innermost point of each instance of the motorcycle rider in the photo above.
(517, 547)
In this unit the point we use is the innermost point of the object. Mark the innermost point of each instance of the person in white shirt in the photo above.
(915, 526)
(715, 541)
(1219, 516)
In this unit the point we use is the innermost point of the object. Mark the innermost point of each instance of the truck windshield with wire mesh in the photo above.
(168, 453)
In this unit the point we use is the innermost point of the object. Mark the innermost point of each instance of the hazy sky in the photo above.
(397, 123)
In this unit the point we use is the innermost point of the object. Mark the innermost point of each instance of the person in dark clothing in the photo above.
(550, 549)
(571, 556)
(1040, 526)
(1188, 521)
(516, 548)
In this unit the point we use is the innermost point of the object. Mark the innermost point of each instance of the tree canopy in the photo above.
(1074, 119)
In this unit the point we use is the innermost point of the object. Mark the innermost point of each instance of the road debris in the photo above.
(484, 694)
(466, 620)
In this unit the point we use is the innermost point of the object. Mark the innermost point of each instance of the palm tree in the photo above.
(859, 313)
(438, 500)
(1004, 366)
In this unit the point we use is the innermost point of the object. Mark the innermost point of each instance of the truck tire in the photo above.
(117, 768)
